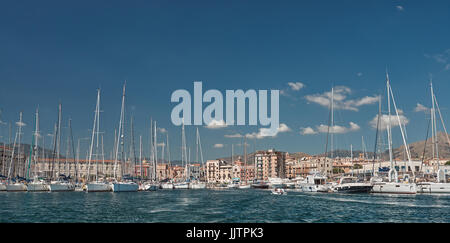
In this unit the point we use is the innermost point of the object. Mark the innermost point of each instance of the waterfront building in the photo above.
(269, 163)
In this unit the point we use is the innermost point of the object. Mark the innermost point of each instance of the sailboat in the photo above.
(153, 185)
(62, 183)
(441, 185)
(244, 184)
(37, 184)
(15, 185)
(196, 183)
(167, 184)
(393, 185)
(183, 184)
(97, 185)
(122, 185)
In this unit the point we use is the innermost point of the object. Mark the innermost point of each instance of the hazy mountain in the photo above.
(417, 148)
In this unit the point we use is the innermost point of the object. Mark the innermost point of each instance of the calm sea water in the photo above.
(257, 206)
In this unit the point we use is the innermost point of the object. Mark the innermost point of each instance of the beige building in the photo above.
(270, 163)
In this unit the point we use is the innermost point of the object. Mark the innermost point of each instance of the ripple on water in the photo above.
(221, 206)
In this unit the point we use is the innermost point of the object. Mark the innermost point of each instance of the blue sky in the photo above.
(54, 51)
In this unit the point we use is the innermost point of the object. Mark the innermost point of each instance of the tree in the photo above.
(447, 163)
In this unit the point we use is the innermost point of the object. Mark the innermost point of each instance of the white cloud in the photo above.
(237, 135)
(340, 99)
(338, 129)
(384, 121)
(296, 86)
(218, 145)
(307, 131)
(421, 108)
(359, 74)
(400, 8)
(267, 132)
(214, 124)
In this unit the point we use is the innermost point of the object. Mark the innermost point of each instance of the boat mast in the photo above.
(58, 136)
(120, 137)
(95, 132)
(403, 133)
(17, 137)
(389, 130)
(433, 127)
(155, 145)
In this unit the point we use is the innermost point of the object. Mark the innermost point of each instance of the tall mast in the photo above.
(433, 127)
(389, 124)
(403, 132)
(36, 142)
(168, 151)
(140, 155)
(58, 136)
(332, 122)
(120, 137)
(17, 137)
(155, 144)
(95, 132)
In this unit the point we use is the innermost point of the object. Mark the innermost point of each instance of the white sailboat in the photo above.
(37, 184)
(183, 184)
(167, 184)
(97, 185)
(123, 185)
(441, 185)
(393, 185)
(61, 184)
(12, 186)
(197, 183)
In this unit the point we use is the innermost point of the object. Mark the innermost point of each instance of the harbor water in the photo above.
(235, 206)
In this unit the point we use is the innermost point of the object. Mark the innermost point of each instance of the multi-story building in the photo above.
(269, 163)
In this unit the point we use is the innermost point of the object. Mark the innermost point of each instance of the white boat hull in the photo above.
(37, 187)
(151, 187)
(432, 187)
(395, 188)
(197, 185)
(167, 186)
(181, 186)
(244, 186)
(2, 187)
(313, 188)
(98, 187)
(61, 187)
(124, 187)
(16, 187)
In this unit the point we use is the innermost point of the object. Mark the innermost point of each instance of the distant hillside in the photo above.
(417, 148)
(346, 153)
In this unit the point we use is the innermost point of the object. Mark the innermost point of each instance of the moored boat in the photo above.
(124, 186)
(181, 185)
(350, 184)
(61, 186)
(197, 185)
(98, 186)
(37, 186)
(16, 187)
